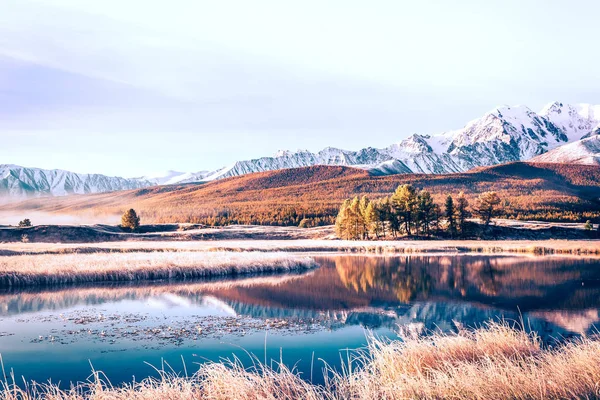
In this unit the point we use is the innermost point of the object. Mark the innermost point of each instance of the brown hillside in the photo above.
(542, 191)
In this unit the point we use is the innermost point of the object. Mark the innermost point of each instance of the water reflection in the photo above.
(55, 333)
(558, 295)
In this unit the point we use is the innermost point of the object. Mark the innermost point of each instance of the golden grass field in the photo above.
(493, 362)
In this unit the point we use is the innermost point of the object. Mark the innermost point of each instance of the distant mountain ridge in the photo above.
(16, 181)
(504, 134)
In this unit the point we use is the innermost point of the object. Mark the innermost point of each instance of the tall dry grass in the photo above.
(495, 362)
(53, 269)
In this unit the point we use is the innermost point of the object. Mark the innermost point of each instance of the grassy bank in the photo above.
(574, 247)
(494, 362)
(55, 269)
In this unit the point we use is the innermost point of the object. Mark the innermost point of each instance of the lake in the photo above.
(303, 320)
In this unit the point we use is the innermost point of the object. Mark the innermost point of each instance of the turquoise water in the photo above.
(305, 321)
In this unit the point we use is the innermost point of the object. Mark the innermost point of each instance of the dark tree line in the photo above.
(411, 212)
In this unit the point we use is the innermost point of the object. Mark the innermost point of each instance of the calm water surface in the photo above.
(305, 320)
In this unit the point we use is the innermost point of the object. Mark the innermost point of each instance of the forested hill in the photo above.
(285, 197)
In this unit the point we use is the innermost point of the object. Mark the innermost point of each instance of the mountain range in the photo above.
(558, 133)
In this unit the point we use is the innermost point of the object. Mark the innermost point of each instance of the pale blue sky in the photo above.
(196, 85)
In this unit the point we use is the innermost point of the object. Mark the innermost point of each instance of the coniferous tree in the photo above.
(435, 218)
(450, 214)
(385, 214)
(487, 206)
(462, 212)
(373, 219)
(342, 222)
(130, 220)
(404, 202)
(357, 222)
(363, 205)
(425, 210)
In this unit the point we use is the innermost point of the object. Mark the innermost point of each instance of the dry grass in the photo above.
(495, 362)
(52, 269)
(573, 247)
(492, 363)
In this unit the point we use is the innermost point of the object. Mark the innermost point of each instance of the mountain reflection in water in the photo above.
(557, 295)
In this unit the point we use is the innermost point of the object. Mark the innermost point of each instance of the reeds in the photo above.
(57, 269)
(494, 362)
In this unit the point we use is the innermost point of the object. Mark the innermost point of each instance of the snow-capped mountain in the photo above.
(17, 182)
(502, 135)
(585, 151)
(173, 177)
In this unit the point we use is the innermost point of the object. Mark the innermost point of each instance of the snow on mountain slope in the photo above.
(574, 120)
(502, 135)
(585, 151)
(174, 177)
(18, 182)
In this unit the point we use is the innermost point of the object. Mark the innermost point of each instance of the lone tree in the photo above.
(486, 207)
(130, 220)
(26, 223)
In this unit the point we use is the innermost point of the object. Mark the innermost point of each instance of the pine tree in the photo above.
(385, 215)
(404, 202)
(462, 212)
(486, 207)
(357, 222)
(450, 214)
(342, 222)
(436, 214)
(373, 219)
(363, 206)
(425, 210)
(130, 220)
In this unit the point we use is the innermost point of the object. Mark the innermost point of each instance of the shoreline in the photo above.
(494, 361)
(538, 247)
(43, 270)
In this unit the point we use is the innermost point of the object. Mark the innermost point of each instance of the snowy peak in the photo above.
(585, 151)
(504, 134)
(19, 182)
(174, 177)
(575, 120)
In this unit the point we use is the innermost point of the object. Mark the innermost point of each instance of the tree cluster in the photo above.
(26, 223)
(411, 212)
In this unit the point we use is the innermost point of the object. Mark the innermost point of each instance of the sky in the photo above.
(137, 87)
